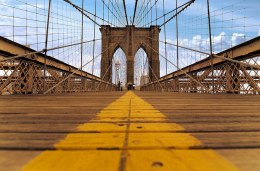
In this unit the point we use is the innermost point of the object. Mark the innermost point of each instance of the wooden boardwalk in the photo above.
(130, 131)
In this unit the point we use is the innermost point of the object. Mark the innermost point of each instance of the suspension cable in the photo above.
(157, 79)
(136, 2)
(81, 10)
(108, 67)
(41, 51)
(125, 12)
(94, 37)
(142, 12)
(105, 74)
(215, 55)
(186, 6)
(71, 74)
(139, 11)
(117, 11)
(178, 68)
(150, 10)
(183, 5)
(164, 30)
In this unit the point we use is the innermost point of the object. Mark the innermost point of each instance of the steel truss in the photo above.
(25, 75)
(235, 70)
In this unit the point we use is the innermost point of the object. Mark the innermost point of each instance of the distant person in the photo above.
(118, 86)
(130, 86)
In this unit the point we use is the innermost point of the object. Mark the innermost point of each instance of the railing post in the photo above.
(193, 83)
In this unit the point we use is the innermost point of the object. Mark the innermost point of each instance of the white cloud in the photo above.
(3, 1)
(237, 38)
(220, 38)
(259, 33)
(221, 41)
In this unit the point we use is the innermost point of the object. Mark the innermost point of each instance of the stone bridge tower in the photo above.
(130, 39)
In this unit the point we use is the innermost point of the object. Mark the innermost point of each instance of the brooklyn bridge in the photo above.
(126, 85)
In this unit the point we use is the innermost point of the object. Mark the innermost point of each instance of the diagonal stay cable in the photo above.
(108, 67)
(108, 82)
(104, 75)
(95, 15)
(76, 70)
(41, 51)
(121, 13)
(157, 79)
(142, 12)
(215, 55)
(186, 6)
(147, 12)
(71, 74)
(80, 10)
(178, 68)
(146, 62)
(116, 10)
(112, 11)
(168, 13)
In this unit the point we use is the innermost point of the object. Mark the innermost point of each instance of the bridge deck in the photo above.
(130, 131)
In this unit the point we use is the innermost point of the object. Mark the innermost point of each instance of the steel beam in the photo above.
(240, 52)
(9, 48)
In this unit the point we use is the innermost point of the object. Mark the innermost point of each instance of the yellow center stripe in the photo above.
(127, 135)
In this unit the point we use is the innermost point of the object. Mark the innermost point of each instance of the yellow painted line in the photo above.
(126, 146)
(177, 160)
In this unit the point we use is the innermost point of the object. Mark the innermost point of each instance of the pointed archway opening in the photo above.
(119, 67)
(129, 38)
(141, 68)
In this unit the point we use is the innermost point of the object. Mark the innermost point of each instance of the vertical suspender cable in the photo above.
(151, 9)
(147, 14)
(103, 13)
(177, 41)
(37, 37)
(139, 14)
(94, 42)
(81, 48)
(177, 35)
(112, 18)
(165, 49)
(108, 9)
(46, 45)
(156, 12)
(211, 50)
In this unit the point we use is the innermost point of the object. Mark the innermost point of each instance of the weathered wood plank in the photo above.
(228, 123)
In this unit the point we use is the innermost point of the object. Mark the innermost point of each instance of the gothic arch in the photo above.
(118, 46)
(119, 56)
(141, 65)
(144, 47)
(130, 39)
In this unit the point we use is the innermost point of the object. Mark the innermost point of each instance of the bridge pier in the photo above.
(130, 39)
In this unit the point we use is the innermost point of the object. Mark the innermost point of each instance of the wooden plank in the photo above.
(165, 128)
